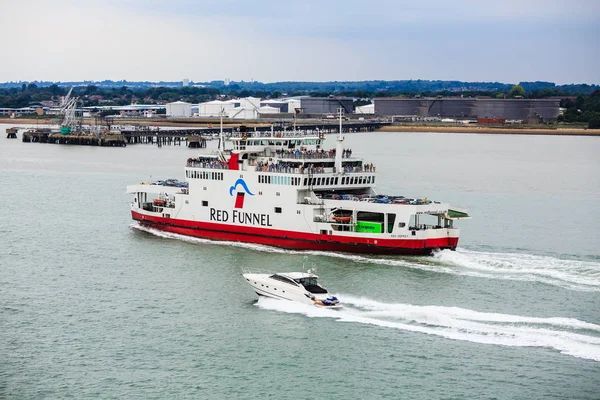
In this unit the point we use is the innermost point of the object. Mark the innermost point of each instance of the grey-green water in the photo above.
(92, 307)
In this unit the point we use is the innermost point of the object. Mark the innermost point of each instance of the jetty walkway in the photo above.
(192, 137)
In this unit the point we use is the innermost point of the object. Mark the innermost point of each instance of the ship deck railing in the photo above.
(425, 227)
(208, 165)
(309, 156)
(276, 168)
(274, 135)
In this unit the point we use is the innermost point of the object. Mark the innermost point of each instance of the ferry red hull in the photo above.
(295, 240)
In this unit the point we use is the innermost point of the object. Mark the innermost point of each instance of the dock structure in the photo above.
(194, 138)
(11, 133)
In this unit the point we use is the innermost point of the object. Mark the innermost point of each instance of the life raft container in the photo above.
(342, 219)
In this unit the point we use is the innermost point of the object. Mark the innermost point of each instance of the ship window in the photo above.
(305, 181)
(278, 210)
(204, 203)
(277, 194)
(401, 224)
(390, 222)
(336, 180)
(318, 181)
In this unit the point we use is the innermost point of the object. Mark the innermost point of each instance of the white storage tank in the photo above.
(179, 109)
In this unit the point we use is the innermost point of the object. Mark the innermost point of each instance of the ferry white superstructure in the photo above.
(282, 189)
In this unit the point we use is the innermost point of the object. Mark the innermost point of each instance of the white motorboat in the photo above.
(295, 286)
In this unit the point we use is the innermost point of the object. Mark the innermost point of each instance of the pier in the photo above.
(193, 138)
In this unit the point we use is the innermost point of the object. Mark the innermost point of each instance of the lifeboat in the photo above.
(342, 219)
(159, 202)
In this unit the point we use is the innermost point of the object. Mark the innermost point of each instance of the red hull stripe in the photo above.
(292, 239)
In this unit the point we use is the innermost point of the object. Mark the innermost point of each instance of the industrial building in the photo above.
(252, 107)
(366, 109)
(326, 105)
(179, 109)
(246, 108)
(285, 106)
(517, 109)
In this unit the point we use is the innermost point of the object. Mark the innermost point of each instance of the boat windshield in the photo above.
(311, 285)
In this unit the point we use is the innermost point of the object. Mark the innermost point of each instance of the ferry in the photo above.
(282, 189)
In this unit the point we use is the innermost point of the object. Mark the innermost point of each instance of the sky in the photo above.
(506, 41)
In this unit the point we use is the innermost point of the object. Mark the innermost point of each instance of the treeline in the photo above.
(584, 109)
(96, 95)
(92, 95)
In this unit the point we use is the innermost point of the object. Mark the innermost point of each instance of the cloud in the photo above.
(311, 40)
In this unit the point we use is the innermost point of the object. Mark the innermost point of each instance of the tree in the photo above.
(571, 115)
(90, 89)
(516, 90)
(594, 123)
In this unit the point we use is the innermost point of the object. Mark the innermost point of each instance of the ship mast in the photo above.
(338, 146)
(221, 141)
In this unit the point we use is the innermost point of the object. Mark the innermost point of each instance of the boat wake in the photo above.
(567, 335)
(568, 274)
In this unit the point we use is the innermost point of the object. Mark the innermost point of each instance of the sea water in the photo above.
(94, 306)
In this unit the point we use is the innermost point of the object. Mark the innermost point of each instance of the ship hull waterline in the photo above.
(295, 240)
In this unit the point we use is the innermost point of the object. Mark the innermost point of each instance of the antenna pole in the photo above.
(221, 144)
(338, 146)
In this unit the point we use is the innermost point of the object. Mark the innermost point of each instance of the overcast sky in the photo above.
(301, 40)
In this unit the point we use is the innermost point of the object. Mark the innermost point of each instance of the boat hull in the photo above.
(296, 240)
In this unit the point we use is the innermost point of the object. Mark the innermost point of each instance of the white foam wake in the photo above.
(567, 335)
(568, 274)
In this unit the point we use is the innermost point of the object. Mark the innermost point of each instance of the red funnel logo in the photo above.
(239, 200)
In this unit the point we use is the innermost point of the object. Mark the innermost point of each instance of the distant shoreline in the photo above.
(494, 130)
(513, 130)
